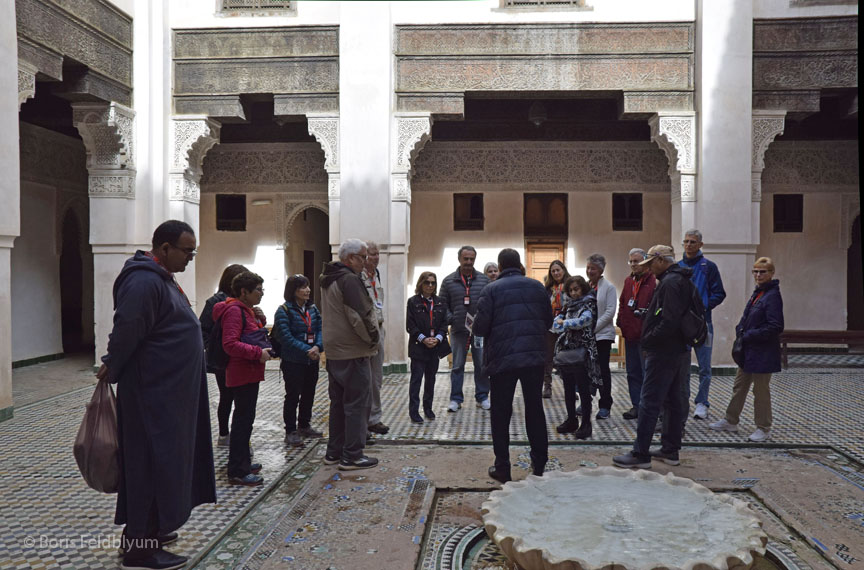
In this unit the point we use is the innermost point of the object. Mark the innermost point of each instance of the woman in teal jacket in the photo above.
(298, 328)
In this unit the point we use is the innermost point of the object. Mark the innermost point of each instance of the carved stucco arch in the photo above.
(413, 131)
(292, 209)
(79, 206)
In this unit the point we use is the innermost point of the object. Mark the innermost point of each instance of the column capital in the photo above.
(191, 137)
(767, 125)
(108, 132)
(675, 134)
(412, 132)
(26, 82)
(325, 129)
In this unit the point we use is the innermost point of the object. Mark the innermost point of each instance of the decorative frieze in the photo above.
(49, 157)
(263, 167)
(229, 43)
(546, 73)
(604, 166)
(544, 38)
(191, 138)
(307, 75)
(799, 166)
(794, 35)
(805, 71)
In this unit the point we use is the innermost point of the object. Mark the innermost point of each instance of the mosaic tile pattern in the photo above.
(54, 509)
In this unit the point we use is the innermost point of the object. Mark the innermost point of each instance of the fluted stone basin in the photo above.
(613, 518)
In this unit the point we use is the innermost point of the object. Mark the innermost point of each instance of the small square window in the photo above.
(788, 213)
(467, 211)
(231, 212)
(627, 212)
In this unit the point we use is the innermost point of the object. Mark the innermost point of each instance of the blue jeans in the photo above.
(665, 374)
(703, 357)
(635, 361)
(458, 342)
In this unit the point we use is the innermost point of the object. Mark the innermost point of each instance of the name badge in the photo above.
(310, 338)
(432, 333)
(379, 304)
(631, 303)
(466, 300)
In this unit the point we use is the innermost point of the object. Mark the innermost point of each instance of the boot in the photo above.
(570, 425)
(547, 390)
(584, 431)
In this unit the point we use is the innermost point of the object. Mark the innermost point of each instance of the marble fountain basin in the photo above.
(611, 518)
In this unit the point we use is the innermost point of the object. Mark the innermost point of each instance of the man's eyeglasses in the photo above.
(760, 271)
(634, 262)
(259, 289)
(690, 241)
(189, 251)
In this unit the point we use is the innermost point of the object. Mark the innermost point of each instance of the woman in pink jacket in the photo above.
(244, 340)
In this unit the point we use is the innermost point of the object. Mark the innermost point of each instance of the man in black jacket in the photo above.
(667, 362)
(513, 315)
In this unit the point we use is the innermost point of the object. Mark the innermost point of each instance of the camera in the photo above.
(641, 313)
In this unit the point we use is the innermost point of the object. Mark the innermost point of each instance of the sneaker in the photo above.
(331, 459)
(430, 415)
(631, 460)
(293, 439)
(578, 411)
(379, 428)
(153, 560)
(362, 463)
(760, 435)
(665, 457)
(453, 406)
(568, 426)
(485, 404)
(499, 475)
(547, 390)
(602, 414)
(250, 480)
(309, 431)
(223, 441)
(631, 414)
(723, 425)
(701, 412)
(255, 468)
(370, 438)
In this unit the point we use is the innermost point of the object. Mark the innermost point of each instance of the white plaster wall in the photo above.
(811, 266)
(434, 243)
(427, 12)
(36, 277)
(204, 14)
(127, 6)
(782, 9)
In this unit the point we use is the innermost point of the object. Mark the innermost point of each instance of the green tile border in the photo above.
(396, 368)
(38, 360)
(6, 413)
(717, 370)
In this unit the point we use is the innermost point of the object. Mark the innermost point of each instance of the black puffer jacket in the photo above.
(661, 331)
(453, 293)
(513, 316)
(760, 327)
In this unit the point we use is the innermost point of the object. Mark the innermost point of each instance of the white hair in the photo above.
(350, 247)
(597, 260)
(695, 233)
(372, 245)
(638, 250)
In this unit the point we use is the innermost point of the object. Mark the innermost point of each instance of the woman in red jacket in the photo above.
(244, 340)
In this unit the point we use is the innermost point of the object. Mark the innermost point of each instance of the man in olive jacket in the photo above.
(513, 315)
(350, 330)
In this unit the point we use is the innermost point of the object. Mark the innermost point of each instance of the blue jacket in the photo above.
(760, 328)
(291, 331)
(707, 279)
(513, 316)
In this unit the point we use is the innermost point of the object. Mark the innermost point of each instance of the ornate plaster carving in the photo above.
(850, 210)
(756, 187)
(688, 188)
(192, 137)
(289, 206)
(412, 133)
(108, 132)
(766, 126)
(400, 188)
(325, 129)
(602, 166)
(26, 82)
(675, 134)
(264, 167)
(49, 157)
(811, 166)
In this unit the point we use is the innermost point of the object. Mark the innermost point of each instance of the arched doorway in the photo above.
(307, 246)
(76, 324)
(855, 280)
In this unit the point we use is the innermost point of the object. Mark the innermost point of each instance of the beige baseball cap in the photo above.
(657, 251)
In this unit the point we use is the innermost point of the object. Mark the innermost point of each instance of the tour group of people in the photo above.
(517, 330)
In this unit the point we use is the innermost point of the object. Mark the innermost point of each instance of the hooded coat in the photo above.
(156, 358)
(349, 322)
(760, 328)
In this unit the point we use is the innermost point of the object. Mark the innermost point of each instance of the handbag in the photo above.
(97, 445)
(570, 357)
(738, 351)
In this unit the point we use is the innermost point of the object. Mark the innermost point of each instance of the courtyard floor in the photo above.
(420, 507)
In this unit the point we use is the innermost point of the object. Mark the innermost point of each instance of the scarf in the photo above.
(584, 337)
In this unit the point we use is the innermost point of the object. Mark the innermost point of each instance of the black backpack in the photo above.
(275, 342)
(217, 358)
(693, 324)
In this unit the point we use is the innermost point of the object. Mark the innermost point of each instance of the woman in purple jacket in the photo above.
(759, 329)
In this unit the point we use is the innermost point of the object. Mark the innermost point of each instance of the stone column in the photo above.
(411, 131)
(107, 130)
(191, 137)
(724, 87)
(10, 193)
(766, 126)
(325, 129)
(675, 134)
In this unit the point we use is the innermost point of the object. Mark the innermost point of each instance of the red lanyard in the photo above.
(374, 289)
(307, 318)
(757, 297)
(430, 308)
(467, 284)
(636, 285)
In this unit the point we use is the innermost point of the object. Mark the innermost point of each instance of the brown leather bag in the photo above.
(97, 446)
